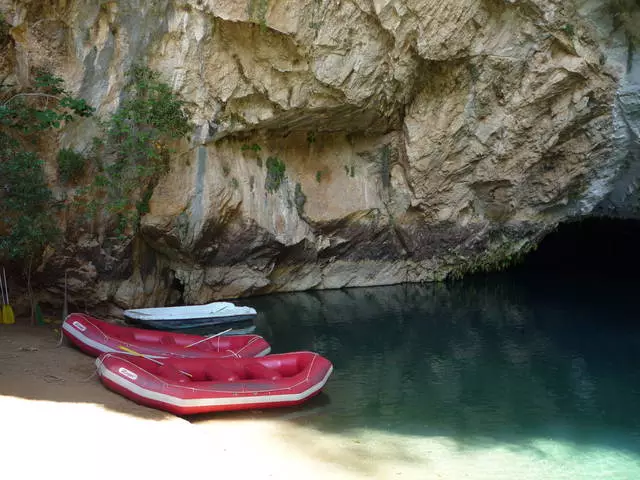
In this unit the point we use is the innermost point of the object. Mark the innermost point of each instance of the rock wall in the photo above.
(421, 138)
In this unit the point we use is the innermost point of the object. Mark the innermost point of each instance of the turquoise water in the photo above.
(547, 368)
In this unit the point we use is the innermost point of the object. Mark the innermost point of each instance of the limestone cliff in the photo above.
(420, 138)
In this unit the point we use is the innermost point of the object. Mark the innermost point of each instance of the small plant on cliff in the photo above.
(138, 145)
(569, 29)
(300, 199)
(71, 165)
(311, 137)
(257, 10)
(383, 164)
(275, 174)
(255, 148)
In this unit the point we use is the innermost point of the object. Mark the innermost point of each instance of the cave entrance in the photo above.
(593, 247)
(176, 292)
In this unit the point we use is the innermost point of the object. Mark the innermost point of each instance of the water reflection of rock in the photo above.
(481, 358)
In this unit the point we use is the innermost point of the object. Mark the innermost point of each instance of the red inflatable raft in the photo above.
(195, 385)
(95, 337)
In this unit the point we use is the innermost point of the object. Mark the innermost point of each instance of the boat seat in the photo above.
(171, 373)
(257, 370)
(216, 372)
(146, 336)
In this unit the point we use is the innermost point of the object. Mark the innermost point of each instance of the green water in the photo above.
(546, 370)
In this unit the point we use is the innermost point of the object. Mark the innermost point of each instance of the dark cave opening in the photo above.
(590, 266)
(177, 292)
(593, 248)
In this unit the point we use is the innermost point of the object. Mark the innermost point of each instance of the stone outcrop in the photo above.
(421, 138)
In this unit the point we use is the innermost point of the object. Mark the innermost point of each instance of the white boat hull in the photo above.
(191, 316)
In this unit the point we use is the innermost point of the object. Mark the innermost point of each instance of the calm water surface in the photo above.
(546, 370)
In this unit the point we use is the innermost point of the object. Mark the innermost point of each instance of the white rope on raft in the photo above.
(209, 337)
(158, 362)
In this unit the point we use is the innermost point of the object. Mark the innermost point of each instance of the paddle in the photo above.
(128, 350)
(65, 306)
(209, 337)
(7, 311)
(2, 298)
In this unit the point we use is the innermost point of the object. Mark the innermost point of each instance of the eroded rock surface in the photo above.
(421, 138)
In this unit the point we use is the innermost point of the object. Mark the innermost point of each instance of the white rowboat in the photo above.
(190, 316)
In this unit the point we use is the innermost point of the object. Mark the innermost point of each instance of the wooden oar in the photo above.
(7, 310)
(128, 350)
(209, 337)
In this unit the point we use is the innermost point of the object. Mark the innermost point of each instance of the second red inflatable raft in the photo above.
(95, 337)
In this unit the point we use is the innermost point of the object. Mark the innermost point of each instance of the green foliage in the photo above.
(319, 176)
(300, 199)
(150, 111)
(137, 146)
(254, 148)
(311, 137)
(568, 29)
(46, 106)
(474, 72)
(384, 166)
(71, 165)
(234, 183)
(142, 206)
(275, 174)
(26, 219)
(257, 10)
(27, 208)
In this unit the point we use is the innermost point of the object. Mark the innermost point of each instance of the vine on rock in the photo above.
(137, 147)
